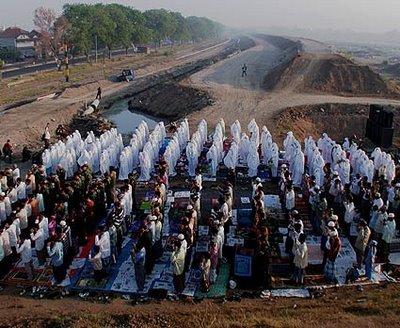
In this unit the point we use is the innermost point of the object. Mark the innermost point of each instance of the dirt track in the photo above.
(242, 99)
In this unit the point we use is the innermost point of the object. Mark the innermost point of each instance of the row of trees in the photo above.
(116, 26)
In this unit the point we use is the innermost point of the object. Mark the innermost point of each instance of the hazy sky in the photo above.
(358, 15)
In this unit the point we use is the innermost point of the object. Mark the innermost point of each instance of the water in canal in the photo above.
(125, 120)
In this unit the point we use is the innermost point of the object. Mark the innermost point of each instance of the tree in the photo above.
(161, 22)
(51, 29)
(103, 27)
(115, 25)
(79, 32)
(182, 32)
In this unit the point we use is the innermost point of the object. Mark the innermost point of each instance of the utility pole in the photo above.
(95, 39)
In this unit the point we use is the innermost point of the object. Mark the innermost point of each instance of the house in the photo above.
(19, 40)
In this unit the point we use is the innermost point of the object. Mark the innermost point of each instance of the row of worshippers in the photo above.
(148, 245)
(55, 210)
(218, 223)
(104, 152)
(131, 157)
(175, 147)
(243, 149)
(345, 186)
(98, 153)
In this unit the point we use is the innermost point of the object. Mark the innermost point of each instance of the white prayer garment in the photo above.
(236, 130)
(193, 158)
(231, 158)
(253, 161)
(212, 156)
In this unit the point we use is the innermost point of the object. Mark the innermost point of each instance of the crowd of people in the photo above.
(350, 194)
(85, 188)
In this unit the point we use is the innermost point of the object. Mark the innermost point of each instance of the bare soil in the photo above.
(376, 306)
(328, 73)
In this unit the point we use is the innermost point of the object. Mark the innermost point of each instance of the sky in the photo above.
(372, 16)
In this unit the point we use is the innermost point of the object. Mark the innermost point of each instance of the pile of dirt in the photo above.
(337, 120)
(344, 121)
(328, 73)
(170, 101)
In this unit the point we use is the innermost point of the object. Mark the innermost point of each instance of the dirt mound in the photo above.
(170, 101)
(338, 120)
(327, 73)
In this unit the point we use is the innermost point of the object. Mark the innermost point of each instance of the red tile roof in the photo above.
(13, 32)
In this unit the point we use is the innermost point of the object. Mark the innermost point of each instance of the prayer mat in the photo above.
(219, 288)
(17, 276)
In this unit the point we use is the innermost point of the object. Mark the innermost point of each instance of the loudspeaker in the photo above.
(368, 129)
(374, 112)
(387, 118)
(372, 130)
(386, 137)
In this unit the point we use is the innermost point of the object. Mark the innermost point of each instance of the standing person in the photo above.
(205, 266)
(244, 70)
(370, 258)
(178, 267)
(46, 136)
(362, 241)
(388, 232)
(66, 74)
(7, 151)
(97, 264)
(102, 240)
(139, 259)
(333, 246)
(290, 199)
(56, 252)
(349, 213)
(25, 249)
(37, 236)
(98, 96)
(300, 261)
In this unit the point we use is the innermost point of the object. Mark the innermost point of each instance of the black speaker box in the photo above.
(387, 119)
(386, 137)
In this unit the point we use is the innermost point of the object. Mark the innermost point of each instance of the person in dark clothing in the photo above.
(26, 154)
(98, 96)
(7, 151)
(244, 70)
(145, 240)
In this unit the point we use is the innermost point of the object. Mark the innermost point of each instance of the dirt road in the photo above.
(242, 98)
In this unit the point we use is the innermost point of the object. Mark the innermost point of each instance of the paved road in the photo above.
(51, 65)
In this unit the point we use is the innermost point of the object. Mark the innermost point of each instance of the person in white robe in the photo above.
(297, 167)
(274, 160)
(145, 167)
(123, 166)
(253, 161)
(85, 158)
(236, 131)
(244, 146)
(231, 157)
(287, 145)
(193, 158)
(212, 157)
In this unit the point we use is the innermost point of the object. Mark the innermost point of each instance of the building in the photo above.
(19, 40)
